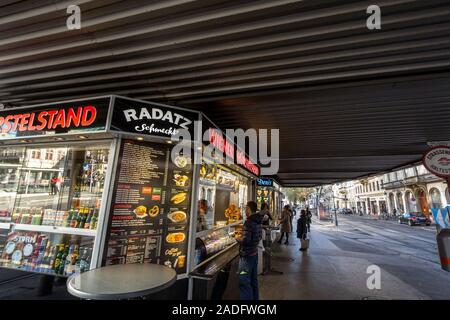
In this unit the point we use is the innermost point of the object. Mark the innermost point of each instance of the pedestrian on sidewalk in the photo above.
(302, 227)
(53, 182)
(248, 251)
(285, 224)
(309, 218)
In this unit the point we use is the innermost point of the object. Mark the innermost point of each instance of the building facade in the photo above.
(412, 189)
(366, 196)
(415, 189)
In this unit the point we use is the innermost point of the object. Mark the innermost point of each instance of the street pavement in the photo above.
(335, 266)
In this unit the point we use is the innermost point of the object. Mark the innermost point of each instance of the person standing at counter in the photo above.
(202, 224)
(248, 263)
(267, 216)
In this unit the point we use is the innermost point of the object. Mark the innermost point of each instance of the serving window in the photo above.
(225, 193)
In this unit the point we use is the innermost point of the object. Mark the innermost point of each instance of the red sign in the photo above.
(49, 119)
(222, 144)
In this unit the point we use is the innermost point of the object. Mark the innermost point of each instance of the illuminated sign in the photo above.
(49, 120)
(262, 182)
(227, 147)
(151, 118)
(55, 118)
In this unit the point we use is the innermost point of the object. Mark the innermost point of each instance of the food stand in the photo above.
(92, 182)
(269, 191)
(227, 187)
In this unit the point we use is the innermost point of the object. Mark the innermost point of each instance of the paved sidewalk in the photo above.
(335, 267)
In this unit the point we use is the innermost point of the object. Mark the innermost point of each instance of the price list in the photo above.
(151, 206)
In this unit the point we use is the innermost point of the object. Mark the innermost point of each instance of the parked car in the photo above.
(414, 218)
(345, 211)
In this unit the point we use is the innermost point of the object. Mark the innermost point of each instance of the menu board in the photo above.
(151, 206)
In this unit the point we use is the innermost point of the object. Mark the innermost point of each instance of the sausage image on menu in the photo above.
(179, 198)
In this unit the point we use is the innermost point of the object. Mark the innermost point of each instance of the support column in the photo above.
(443, 197)
(388, 204)
(396, 204)
(405, 208)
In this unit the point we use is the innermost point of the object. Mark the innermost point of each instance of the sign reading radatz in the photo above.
(151, 119)
(437, 161)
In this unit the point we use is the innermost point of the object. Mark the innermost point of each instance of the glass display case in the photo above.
(213, 242)
(50, 206)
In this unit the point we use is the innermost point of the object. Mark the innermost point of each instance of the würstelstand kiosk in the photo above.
(92, 182)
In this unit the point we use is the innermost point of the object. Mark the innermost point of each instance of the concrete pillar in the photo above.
(395, 203)
(388, 204)
(405, 207)
(443, 198)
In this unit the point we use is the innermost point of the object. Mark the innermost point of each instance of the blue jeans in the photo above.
(248, 278)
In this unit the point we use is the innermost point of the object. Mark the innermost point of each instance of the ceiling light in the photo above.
(82, 137)
(140, 138)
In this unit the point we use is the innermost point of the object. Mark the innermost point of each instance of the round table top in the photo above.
(121, 281)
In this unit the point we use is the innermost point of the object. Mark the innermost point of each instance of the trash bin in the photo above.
(443, 242)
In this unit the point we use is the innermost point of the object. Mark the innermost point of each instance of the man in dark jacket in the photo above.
(248, 263)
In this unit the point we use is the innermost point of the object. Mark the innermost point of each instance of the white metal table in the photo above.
(121, 281)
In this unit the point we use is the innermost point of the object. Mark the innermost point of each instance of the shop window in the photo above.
(447, 196)
(411, 202)
(435, 196)
(66, 192)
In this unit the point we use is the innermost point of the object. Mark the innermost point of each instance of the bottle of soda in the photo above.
(45, 260)
(52, 258)
(83, 260)
(62, 264)
(58, 258)
(94, 220)
(88, 259)
(75, 216)
(81, 219)
(71, 260)
(87, 224)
